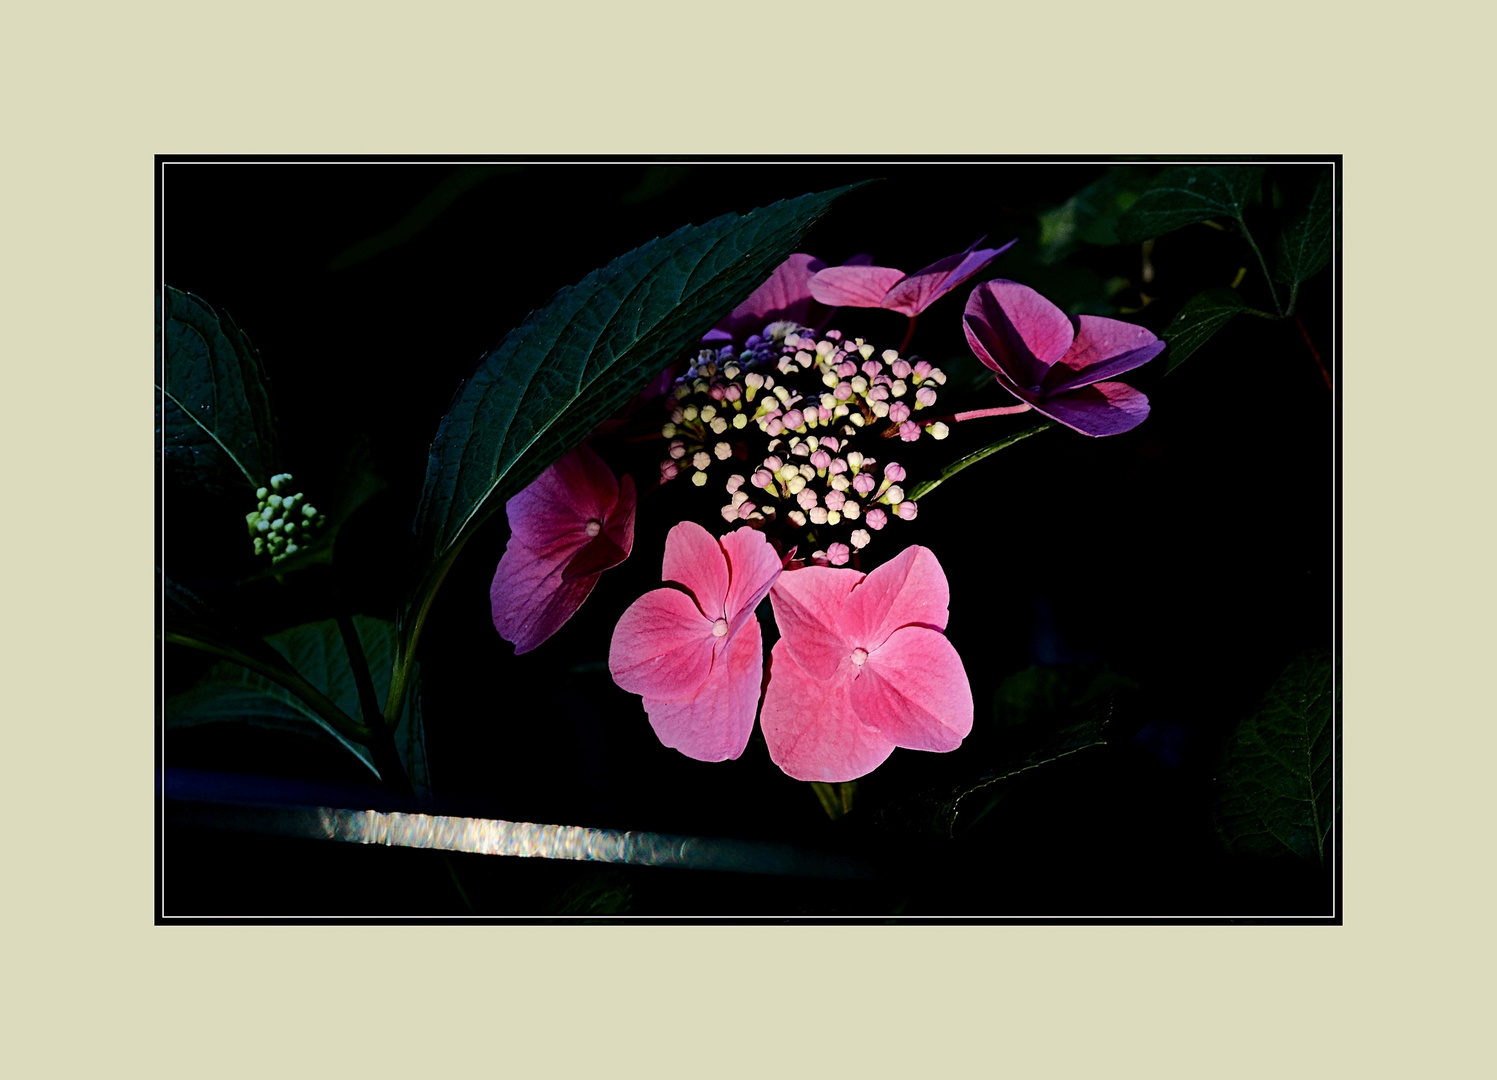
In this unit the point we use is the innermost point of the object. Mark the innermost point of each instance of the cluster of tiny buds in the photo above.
(284, 523)
(810, 399)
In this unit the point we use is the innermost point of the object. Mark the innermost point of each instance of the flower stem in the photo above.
(925, 488)
(1324, 374)
(909, 335)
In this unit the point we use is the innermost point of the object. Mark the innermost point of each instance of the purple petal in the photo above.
(554, 509)
(924, 287)
(784, 296)
(1103, 348)
(1015, 330)
(854, 286)
(531, 598)
(1104, 408)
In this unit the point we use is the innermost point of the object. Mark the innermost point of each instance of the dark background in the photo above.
(1183, 564)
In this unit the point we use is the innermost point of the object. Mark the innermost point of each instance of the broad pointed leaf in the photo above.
(1304, 247)
(579, 359)
(213, 407)
(1186, 194)
(1091, 215)
(230, 692)
(1203, 315)
(1276, 776)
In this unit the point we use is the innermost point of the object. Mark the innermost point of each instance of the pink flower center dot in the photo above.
(720, 628)
(859, 656)
(593, 527)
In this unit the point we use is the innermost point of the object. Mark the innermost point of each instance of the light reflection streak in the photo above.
(493, 836)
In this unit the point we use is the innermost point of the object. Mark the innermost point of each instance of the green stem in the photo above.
(405, 657)
(923, 489)
(382, 742)
(1262, 263)
(319, 702)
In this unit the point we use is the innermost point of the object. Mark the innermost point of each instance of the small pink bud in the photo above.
(925, 397)
(860, 538)
(733, 392)
(876, 518)
(745, 510)
(899, 412)
(838, 555)
(773, 463)
(847, 369)
(843, 391)
(909, 431)
(701, 459)
(907, 510)
(894, 471)
(821, 459)
(901, 369)
(762, 478)
(730, 512)
(863, 483)
(818, 515)
(838, 465)
(806, 498)
(872, 368)
(835, 500)
(678, 449)
(794, 419)
(922, 369)
(734, 483)
(831, 444)
(823, 413)
(717, 393)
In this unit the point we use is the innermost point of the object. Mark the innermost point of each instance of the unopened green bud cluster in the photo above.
(284, 523)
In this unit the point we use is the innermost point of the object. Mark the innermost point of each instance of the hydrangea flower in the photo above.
(694, 653)
(570, 524)
(862, 666)
(908, 294)
(1056, 364)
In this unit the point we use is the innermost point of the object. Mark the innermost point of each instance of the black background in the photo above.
(1193, 557)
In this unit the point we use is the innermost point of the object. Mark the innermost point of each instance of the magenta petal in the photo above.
(1103, 348)
(914, 690)
(598, 554)
(924, 287)
(1104, 408)
(810, 727)
(1020, 330)
(909, 589)
(715, 724)
(807, 606)
(694, 559)
(662, 647)
(530, 598)
(784, 296)
(854, 286)
(556, 506)
(753, 567)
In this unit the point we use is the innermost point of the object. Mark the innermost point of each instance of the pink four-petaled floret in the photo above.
(694, 653)
(862, 666)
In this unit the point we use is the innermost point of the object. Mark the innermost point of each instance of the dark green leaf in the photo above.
(213, 402)
(1275, 778)
(230, 692)
(1203, 315)
(1186, 194)
(1304, 247)
(580, 358)
(1089, 216)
